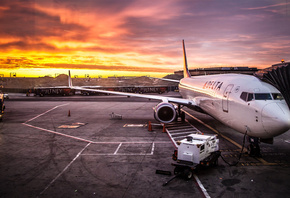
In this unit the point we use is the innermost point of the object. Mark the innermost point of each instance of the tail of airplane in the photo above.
(186, 73)
(69, 79)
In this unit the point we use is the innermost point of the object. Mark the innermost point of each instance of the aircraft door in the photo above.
(225, 100)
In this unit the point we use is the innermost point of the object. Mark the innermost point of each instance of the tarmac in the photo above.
(73, 147)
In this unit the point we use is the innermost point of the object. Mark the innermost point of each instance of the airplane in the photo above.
(242, 102)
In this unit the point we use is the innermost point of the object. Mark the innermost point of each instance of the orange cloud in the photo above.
(140, 35)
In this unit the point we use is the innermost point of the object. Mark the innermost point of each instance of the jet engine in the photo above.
(165, 112)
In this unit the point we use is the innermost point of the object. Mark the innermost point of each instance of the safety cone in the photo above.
(68, 113)
(164, 131)
(149, 126)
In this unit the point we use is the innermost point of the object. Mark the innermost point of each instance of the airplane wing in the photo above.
(180, 101)
(166, 79)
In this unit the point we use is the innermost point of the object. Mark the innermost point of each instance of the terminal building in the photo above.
(219, 70)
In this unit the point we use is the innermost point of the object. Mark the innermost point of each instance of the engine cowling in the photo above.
(165, 112)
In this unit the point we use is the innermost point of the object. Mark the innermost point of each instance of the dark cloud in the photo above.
(221, 23)
(23, 20)
(21, 45)
(107, 7)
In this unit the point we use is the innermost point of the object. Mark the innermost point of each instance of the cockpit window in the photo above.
(247, 96)
(244, 96)
(277, 96)
(260, 96)
(263, 96)
(250, 97)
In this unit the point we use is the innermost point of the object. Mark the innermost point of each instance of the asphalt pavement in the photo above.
(73, 147)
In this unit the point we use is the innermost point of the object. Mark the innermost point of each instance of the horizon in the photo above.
(139, 38)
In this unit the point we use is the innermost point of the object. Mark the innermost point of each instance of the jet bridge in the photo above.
(279, 76)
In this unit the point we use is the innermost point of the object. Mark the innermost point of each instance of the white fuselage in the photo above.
(242, 102)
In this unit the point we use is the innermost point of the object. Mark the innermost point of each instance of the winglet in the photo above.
(69, 79)
(186, 73)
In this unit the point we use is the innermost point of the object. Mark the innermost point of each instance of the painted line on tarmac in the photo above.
(147, 142)
(64, 169)
(153, 147)
(62, 134)
(45, 112)
(85, 140)
(124, 154)
(78, 138)
(50, 131)
(202, 188)
(118, 154)
(118, 149)
(264, 162)
(89, 141)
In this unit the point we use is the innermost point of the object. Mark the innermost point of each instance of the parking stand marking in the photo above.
(118, 149)
(201, 186)
(64, 169)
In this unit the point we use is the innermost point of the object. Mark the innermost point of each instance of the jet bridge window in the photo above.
(247, 96)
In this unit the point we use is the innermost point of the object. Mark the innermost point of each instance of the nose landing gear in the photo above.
(254, 147)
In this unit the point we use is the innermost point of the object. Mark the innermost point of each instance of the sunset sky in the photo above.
(139, 37)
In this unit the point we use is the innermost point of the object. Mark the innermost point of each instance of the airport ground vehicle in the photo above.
(194, 151)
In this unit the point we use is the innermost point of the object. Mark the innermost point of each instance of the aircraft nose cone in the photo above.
(276, 119)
